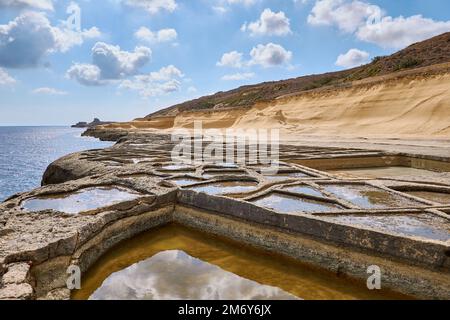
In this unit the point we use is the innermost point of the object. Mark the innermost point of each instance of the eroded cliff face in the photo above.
(409, 106)
(406, 107)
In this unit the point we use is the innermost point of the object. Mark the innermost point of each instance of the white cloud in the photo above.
(26, 40)
(238, 76)
(86, 74)
(38, 4)
(269, 23)
(109, 62)
(244, 2)
(400, 32)
(5, 78)
(163, 35)
(49, 91)
(348, 16)
(115, 63)
(220, 9)
(157, 83)
(66, 38)
(192, 89)
(352, 58)
(165, 74)
(270, 55)
(371, 24)
(223, 6)
(231, 59)
(153, 6)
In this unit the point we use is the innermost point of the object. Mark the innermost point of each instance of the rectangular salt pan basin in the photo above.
(285, 175)
(438, 197)
(289, 204)
(226, 187)
(305, 190)
(178, 273)
(175, 167)
(417, 225)
(81, 201)
(374, 173)
(177, 263)
(368, 197)
(215, 174)
(184, 181)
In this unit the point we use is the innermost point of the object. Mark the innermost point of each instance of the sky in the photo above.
(67, 61)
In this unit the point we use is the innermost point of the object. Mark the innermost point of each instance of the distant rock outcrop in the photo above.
(94, 123)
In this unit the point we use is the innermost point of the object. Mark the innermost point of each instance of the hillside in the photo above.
(429, 52)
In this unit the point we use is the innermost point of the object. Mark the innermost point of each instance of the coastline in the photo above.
(417, 267)
(27, 151)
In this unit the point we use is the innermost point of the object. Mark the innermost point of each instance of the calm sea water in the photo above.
(25, 153)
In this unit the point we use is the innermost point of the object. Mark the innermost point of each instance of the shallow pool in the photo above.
(83, 200)
(289, 204)
(381, 172)
(226, 187)
(174, 262)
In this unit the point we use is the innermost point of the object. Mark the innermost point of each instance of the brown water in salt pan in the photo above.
(368, 197)
(438, 197)
(374, 173)
(178, 263)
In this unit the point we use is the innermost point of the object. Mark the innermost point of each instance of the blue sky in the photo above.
(132, 57)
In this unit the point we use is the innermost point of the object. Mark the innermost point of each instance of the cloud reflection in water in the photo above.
(174, 275)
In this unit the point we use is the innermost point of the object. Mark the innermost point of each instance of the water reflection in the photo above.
(369, 197)
(305, 190)
(284, 176)
(176, 167)
(289, 204)
(226, 187)
(81, 201)
(418, 225)
(185, 181)
(174, 262)
(374, 173)
(175, 275)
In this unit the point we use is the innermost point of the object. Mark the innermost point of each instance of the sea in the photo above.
(25, 153)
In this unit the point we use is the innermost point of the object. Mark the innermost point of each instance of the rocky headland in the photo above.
(94, 123)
